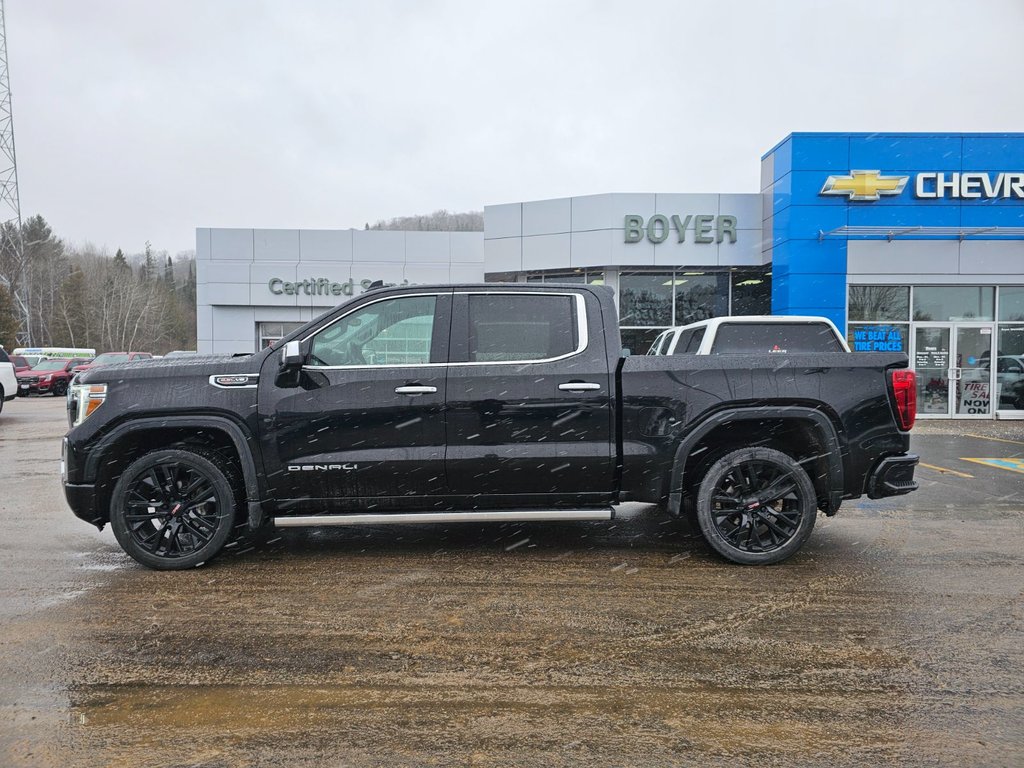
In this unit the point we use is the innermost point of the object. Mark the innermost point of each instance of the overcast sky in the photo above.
(141, 121)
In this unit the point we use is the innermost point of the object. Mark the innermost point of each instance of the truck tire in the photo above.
(756, 506)
(175, 508)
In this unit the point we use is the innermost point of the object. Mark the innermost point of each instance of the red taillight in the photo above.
(904, 388)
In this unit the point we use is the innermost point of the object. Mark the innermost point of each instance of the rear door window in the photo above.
(521, 327)
(774, 338)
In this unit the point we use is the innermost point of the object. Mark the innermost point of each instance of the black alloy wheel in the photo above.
(756, 506)
(174, 509)
(59, 388)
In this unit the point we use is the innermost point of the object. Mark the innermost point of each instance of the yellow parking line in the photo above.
(997, 439)
(1010, 465)
(945, 471)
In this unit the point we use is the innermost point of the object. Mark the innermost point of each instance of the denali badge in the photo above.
(235, 380)
(320, 467)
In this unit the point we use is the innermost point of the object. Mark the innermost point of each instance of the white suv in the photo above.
(751, 334)
(8, 381)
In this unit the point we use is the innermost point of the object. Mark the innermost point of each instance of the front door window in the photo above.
(973, 371)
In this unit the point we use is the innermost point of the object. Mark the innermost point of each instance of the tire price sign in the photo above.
(975, 398)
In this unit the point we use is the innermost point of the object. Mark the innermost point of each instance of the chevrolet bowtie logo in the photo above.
(864, 185)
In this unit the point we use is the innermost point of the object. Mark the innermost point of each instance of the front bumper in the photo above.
(894, 476)
(81, 497)
(33, 388)
(82, 500)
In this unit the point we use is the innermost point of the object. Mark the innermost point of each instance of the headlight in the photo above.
(83, 399)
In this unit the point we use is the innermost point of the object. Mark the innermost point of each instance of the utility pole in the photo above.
(10, 204)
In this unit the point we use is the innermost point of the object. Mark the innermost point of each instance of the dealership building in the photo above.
(908, 242)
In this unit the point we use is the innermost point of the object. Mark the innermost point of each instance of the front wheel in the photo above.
(174, 509)
(756, 506)
(59, 388)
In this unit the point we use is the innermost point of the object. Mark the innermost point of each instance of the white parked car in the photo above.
(752, 334)
(8, 381)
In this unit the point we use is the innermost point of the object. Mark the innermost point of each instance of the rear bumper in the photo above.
(894, 476)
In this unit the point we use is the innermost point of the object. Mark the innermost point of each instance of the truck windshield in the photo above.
(777, 338)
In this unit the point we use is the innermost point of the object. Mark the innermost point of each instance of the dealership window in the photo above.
(578, 276)
(1011, 303)
(878, 317)
(271, 333)
(645, 299)
(879, 302)
(952, 303)
(700, 296)
(1010, 349)
(389, 332)
(751, 293)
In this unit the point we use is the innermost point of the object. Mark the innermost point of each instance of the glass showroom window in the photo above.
(751, 293)
(645, 308)
(645, 299)
(589, 276)
(952, 303)
(270, 333)
(878, 317)
(700, 296)
(1010, 349)
(879, 302)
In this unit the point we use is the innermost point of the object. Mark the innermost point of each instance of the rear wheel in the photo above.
(756, 506)
(174, 509)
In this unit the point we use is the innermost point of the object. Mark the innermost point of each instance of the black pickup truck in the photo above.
(473, 403)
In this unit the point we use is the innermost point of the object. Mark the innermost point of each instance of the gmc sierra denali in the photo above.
(480, 403)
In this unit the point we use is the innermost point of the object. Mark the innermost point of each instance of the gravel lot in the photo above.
(895, 637)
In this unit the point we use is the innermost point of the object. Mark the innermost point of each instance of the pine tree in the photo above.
(149, 267)
(169, 273)
(120, 262)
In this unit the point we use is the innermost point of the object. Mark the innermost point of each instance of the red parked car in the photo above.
(51, 376)
(109, 358)
(21, 365)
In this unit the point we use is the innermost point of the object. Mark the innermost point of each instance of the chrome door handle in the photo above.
(579, 386)
(415, 389)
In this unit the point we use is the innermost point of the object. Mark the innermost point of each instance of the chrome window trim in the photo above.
(581, 324)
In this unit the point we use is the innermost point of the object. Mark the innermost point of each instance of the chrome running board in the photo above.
(486, 516)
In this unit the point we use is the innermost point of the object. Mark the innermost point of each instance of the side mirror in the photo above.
(291, 356)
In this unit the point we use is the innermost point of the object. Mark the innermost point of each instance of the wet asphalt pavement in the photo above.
(894, 638)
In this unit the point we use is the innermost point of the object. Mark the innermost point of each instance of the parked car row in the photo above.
(50, 370)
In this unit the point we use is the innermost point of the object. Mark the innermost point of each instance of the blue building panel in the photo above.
(895, 152)
(993, 153)
(821, 153)
(813, 256)
(807, 222)
(905, 215)
(994, 216)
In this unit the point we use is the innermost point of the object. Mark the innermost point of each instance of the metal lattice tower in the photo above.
(10, 203)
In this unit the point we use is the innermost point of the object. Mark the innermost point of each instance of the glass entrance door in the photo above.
(953, 362)
(972, 372)
(932, 365)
